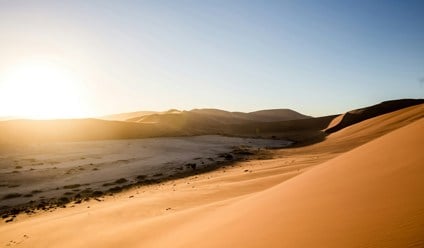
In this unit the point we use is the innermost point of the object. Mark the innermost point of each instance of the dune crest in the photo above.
(359, 115)
(125, 116)
(218, 117)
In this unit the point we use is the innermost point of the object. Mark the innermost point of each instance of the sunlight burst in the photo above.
(41, 91)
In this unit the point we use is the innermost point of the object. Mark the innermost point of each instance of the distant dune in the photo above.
(125, 116)
(24, 131)
(358, 115)
(217, 116)
(169, 123)
(277, 123)
(276, 115)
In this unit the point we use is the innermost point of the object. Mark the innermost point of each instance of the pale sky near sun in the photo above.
(66, 59)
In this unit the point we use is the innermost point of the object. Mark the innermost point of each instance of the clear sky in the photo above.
(89, 58)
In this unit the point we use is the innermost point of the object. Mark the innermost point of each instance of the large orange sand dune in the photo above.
(369, 197)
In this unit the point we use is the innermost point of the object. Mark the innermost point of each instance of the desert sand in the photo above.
(285, 123)
(64, 171)
(360, 187)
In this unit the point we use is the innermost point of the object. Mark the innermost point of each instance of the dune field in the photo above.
(360, 187)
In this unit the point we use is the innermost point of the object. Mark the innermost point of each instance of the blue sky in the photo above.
(316, 57)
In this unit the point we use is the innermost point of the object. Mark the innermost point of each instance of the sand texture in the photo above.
(60, 172)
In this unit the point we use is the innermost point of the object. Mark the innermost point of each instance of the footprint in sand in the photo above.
(13, 242)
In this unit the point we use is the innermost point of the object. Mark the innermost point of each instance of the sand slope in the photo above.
(367, 130)
(369, 197)
(358, 115)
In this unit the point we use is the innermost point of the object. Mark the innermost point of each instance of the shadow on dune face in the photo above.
(362, 114)
(31, 131)
(302, 131)
(38, 131)
(275, 124)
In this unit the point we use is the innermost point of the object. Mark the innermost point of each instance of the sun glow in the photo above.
(41, 91)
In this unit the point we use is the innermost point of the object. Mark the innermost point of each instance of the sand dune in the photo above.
(367, 197)
(300, 131)
(365, 131)
(171, 123)
(218, 116)
(276, 115)
(38, 131)
(358, 115)
(125, 116)
(277, 123)
(35, 131)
